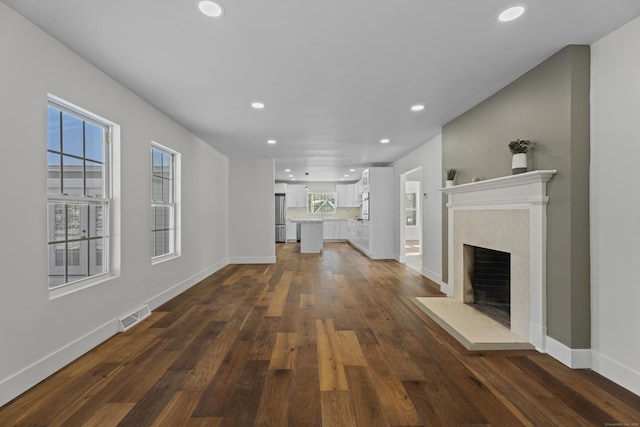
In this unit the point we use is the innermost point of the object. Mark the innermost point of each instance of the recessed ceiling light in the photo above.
(384, 141)
(271, 141)
(341, 179)
(352, 170)
(346, 176)
(257, 105)
(287, 170)
(511, 13)
(210, 8)
(417, 107)
(293, 179)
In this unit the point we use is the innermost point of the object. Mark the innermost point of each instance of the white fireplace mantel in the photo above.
(526, 191)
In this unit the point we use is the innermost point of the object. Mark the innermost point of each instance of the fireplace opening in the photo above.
(489, 279)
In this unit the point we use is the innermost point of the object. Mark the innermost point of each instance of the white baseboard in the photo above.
(253, 260)
(572, 357)
(23, 380)
(432, 275)
(179, 288)
(446, 288)
(616, 372)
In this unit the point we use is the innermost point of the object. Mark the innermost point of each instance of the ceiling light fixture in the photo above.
(346, 175)
(271, 141)
(257, 105)
(287, 170)
(210, 8)
(417, 107)
(511, 13)
(290, 176)
(385, 141)
(352, 170)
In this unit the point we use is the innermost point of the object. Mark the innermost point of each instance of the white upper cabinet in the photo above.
(348, 195)
(296, 196)
(280, 187)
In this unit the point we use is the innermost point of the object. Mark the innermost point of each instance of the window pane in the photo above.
(53, 174)
(72, 176)
(166, 191)
(94, 137)
(57, 262)
(411, 217)
(96, 256)
(321, 203)
(158, 218)
(77, 221)
(159, 243)
(72, 135)
(94, 179)
(96, 220)
(156, 162)
(167, 242)
(166, 165)
(57, 222)
(53, 129)
(156, 189)
(77, 260)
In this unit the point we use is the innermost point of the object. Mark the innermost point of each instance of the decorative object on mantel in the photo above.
(519, 148)
(475, 179)
(451, 176)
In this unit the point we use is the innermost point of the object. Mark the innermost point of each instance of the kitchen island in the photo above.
(310, 235)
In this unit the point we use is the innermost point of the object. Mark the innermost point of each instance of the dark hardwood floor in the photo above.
(314, 340)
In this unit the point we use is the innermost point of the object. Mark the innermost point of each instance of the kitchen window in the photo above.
(321, 203)
(163, 202)
(78, 194)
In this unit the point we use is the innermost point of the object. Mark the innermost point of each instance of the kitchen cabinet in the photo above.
(344, 230)
(296, 196)
(348, 196)
(335, 230)
(292, 232)
(374, 237)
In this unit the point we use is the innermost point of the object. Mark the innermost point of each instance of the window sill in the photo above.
(80, 285)
(164, 258)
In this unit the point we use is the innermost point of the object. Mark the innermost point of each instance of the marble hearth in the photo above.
(507, 214)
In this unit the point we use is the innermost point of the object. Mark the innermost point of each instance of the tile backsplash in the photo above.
(341, 213)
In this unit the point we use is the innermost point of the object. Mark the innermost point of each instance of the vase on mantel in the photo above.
(448, 183)
(518, 163)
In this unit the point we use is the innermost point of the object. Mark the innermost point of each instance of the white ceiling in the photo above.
(336, 75)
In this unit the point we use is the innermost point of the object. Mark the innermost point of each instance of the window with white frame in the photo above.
(78, 194)
(321, 203)
(163, 202)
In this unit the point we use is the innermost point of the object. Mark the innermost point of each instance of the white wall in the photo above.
(429, 157)
(615, 205)
(252, 232)
(38, 335)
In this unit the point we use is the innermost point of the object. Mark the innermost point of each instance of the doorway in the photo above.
(411, 219)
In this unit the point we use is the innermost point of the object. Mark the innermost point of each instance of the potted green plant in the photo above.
(451, 176)
(519, 149)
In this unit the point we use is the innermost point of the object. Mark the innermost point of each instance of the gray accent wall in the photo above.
(550, 106)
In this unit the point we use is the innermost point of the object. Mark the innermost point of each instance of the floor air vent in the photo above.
(132, 319)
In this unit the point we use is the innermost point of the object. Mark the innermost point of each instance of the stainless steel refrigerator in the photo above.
(281, 218)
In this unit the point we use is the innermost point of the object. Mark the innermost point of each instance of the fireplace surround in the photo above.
(506, 214)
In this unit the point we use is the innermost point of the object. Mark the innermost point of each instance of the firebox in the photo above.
(489, 276)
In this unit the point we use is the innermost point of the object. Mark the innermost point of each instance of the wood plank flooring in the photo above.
(313, 340)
